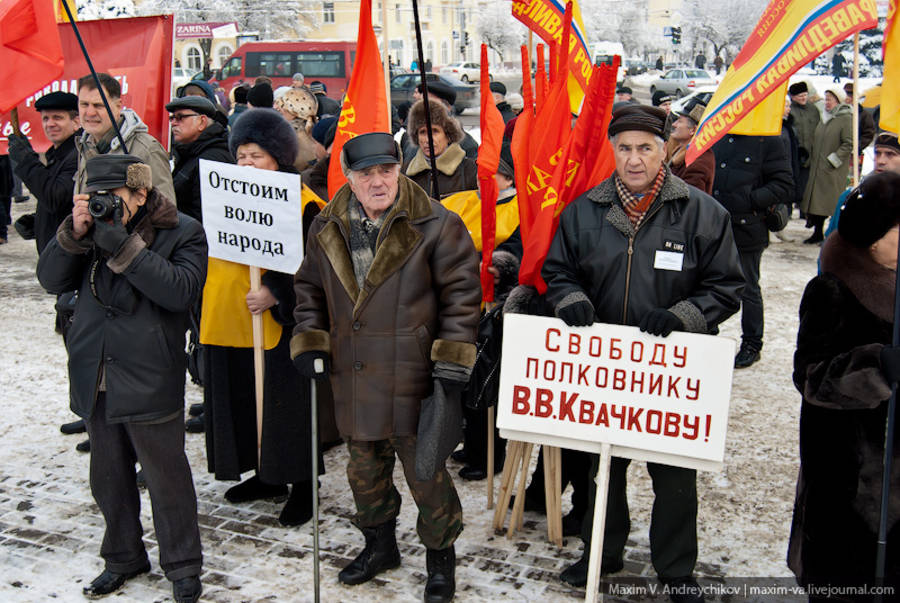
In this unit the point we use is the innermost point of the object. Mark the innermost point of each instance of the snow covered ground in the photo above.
(50, 530)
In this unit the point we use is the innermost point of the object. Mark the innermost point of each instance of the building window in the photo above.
(444, 15)
(193, 58)
(428, 12)
(396, 13)
(328, 12)
(445, 53)
(223, 53)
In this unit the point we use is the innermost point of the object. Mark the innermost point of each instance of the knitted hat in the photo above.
(798, 88)
(871, 210)
(201, 86)
(439, 117)
(268, 129)
(887, 139)
(317, 87)
(638, 117)
(240, 94)
(838, 93)
(261, 96)
(321, 130)
(498, 87)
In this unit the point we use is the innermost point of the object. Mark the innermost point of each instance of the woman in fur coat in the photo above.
(843, 354)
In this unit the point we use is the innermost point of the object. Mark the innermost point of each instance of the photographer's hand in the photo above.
(110, 236)
(82, 220)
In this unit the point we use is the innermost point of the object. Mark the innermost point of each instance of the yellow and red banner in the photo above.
(890, 102)
(545, 18)
(365, 104)
(788, 36)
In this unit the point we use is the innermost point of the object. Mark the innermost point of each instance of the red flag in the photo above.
(30, 51)
(554, 63)
(365, 104)
(519, 146)
(586, 160)
(541, 84)
(492, 127)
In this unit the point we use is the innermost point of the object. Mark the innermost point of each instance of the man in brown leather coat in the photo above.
(388, 295)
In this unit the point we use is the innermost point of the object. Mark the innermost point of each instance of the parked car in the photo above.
(635, 66)
(679, 82)
(466, 72)
(180, 77)
(703, 93)
(403, 86)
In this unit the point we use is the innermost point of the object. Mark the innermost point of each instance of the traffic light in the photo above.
(676, 35)
(465, 38)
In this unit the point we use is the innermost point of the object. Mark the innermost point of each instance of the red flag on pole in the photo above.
(365, 104)
(519, 146)
(30, 51)
(541, 84)
(492, 127)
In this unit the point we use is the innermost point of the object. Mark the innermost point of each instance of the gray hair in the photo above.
(348, 173)
(298, 77)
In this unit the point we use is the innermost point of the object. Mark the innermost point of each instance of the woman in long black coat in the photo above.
(843, 351)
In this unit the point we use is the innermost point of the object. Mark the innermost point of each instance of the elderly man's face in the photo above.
(801, 98)
(438, 136)
(682, 129)
(376, 187)
(638, 159)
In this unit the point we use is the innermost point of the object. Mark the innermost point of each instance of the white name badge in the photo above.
(668, 260)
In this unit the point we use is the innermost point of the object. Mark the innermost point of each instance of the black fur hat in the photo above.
(440, 117)
(871, 210)
(268, 129)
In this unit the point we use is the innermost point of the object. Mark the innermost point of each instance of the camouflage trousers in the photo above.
(370, 473)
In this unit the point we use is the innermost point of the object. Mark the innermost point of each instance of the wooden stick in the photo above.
(515, 519)
(855, 181)
(14, 118)
(513, 449)
(490, 458)
(557, 494)
(259, 362)
(602, 480)
(548, 490)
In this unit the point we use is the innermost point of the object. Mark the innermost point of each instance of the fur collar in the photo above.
(871, 283)
(446, 163)
(675, 153)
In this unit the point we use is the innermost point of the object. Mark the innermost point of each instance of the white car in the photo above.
(703, 93)
(180, 77)
(467, 72)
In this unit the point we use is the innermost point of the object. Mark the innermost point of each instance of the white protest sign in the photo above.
(653, 398)
(252, 216)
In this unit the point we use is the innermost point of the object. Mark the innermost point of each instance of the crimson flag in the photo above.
(30, 51)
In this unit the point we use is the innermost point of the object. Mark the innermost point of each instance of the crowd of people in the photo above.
(385, 312)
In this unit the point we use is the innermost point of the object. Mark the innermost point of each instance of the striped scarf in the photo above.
(636, 207)
(363, 236)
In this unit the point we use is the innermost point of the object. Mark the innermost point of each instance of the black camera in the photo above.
(103, 205)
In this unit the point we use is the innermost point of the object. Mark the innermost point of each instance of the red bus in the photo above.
(326, 61)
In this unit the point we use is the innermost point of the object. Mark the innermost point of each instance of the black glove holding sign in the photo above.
(660, 322)
(19, 147)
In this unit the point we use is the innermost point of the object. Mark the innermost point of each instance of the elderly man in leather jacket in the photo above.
(388, 295)
(140, 266)
(642, 248)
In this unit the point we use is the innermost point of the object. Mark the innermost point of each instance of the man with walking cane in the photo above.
(388, 301)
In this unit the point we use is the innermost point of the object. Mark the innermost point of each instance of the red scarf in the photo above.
(635, 208)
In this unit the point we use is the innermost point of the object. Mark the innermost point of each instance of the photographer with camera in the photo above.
(140, 266)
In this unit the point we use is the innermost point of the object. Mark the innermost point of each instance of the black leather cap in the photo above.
(374, 148)
(197, 104)
(57, 101)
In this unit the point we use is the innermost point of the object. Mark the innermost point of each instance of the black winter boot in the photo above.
(441, 585)
(380, 554)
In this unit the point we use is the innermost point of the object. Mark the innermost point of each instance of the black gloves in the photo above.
(453, 387)
(890, 364)
(577, 314)
(660, 322)
(110, 236)
(305, 364)
(19, 147)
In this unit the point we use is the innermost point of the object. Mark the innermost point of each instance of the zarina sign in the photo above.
(252, 216)
(652, 398)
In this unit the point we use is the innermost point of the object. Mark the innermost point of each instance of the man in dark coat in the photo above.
(498, 91)
(50, 180)
(702, 171)
(600, 268)
(140, 270)
(806, 119)
(388, 296)
(197, 136)
(753, 173)
(327, 105)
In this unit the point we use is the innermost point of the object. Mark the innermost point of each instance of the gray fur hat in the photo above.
(439, 117)
(268, 129)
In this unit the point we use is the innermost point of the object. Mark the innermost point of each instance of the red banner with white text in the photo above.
(136, 51)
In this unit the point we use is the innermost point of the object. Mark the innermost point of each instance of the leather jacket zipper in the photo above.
(630, 258)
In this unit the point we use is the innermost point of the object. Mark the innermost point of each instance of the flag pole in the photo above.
(435, 187)
(386, 58)
(90, 65)
(856, 148)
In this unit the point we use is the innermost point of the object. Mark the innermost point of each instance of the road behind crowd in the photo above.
(50, 528)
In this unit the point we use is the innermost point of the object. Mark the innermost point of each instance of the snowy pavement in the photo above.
(50, 529)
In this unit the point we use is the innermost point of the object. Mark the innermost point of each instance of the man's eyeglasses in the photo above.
(178, 117)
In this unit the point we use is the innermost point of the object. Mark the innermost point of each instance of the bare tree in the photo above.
(499, 29)
(104, 9)
(725, 24)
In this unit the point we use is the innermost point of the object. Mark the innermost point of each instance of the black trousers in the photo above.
(475, 440)
(159, 448)
(673, 521)
(752, 320)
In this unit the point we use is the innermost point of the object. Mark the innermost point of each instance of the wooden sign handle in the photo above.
(259, 366)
